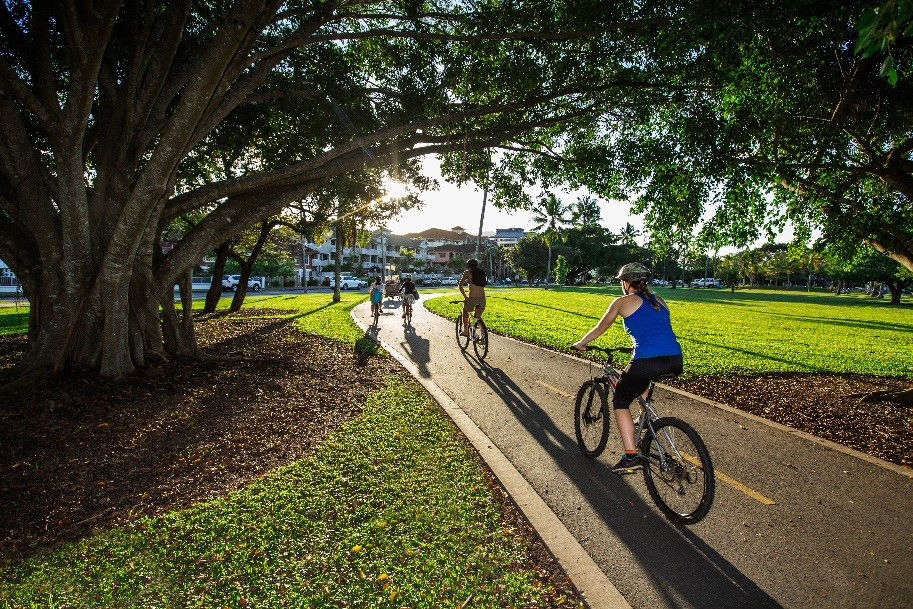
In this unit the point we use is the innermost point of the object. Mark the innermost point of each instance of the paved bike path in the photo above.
(839, 532)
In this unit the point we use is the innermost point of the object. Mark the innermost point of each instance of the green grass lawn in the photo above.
(746, 332)
(14, 320)
(392, 510)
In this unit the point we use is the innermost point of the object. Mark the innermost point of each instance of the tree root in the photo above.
(23, 379)
(886, 395)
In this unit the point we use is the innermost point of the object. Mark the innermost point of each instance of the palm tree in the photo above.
(548, 215)
(586, 212)
(408, 254)
(628, 234)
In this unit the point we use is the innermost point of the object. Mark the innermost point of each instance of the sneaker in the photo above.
(628, 464)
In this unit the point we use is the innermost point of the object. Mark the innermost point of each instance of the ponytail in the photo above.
(641, 286)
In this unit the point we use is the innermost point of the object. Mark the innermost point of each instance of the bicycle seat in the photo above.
(665, 377)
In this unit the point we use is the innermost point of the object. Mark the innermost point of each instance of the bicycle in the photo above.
(677, 469)
(478, 333)
(407, 310)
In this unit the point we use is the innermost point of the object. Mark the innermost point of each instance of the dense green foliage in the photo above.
(746, 332)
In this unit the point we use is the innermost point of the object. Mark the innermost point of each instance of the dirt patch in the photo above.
(820, 404)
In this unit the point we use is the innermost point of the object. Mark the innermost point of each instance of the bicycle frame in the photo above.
(648, 413)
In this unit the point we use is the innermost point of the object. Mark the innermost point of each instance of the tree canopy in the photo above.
(119, 117)
(116, 118)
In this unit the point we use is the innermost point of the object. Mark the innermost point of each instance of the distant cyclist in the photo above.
(475, 278)
(656, 351)
(377, 294)
(407, 290)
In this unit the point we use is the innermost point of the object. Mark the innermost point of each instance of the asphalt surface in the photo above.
(838, 532)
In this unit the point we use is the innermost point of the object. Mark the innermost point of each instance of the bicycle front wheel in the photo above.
(462, 341)
(678, 470)
(480, 339)
(591, 418)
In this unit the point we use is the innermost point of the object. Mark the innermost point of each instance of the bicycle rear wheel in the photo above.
(462, 341)
(591, 418)
(480, 339)
(678, 470)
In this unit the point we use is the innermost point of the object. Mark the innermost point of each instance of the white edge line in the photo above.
(586, 576)
(840, 448)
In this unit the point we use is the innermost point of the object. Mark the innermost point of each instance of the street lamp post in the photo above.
(383, 254)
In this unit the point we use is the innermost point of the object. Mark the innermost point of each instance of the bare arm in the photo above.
(604, 324)
(461, 283)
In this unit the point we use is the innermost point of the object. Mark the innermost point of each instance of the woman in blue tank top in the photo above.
(656, 351)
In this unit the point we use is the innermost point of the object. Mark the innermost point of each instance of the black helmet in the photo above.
(632, 272)
(472, 263)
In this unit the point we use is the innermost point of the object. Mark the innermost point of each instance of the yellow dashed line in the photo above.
(733, 483)
(554, 389)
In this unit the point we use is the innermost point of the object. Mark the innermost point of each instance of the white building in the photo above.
(508, 237)
(9, 283)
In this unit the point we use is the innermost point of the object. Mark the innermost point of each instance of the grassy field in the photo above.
(749, 331)
(14, 320)
(391, 511)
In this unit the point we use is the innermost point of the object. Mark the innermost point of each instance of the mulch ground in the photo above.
(80, 454)
(828, 406)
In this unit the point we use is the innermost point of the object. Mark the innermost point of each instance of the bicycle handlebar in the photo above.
(610, 351)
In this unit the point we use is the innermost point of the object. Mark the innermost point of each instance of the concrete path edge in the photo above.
(586, 576)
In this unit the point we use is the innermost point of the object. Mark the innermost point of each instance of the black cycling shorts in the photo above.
(638, 375)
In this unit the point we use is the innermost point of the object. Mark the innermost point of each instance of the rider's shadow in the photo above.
(684, 569)
(418, 350)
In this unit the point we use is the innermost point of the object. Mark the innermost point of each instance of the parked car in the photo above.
(660, 282)
(230, 282)
(450, 281)
(707, 282)
(347, 282)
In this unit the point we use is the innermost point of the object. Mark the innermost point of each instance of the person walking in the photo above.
(646, 319)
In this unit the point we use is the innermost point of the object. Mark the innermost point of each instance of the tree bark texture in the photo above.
(247, 266)
(218, 269)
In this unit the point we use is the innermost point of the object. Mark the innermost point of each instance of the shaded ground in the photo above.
(820, 404)
(80, 454)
